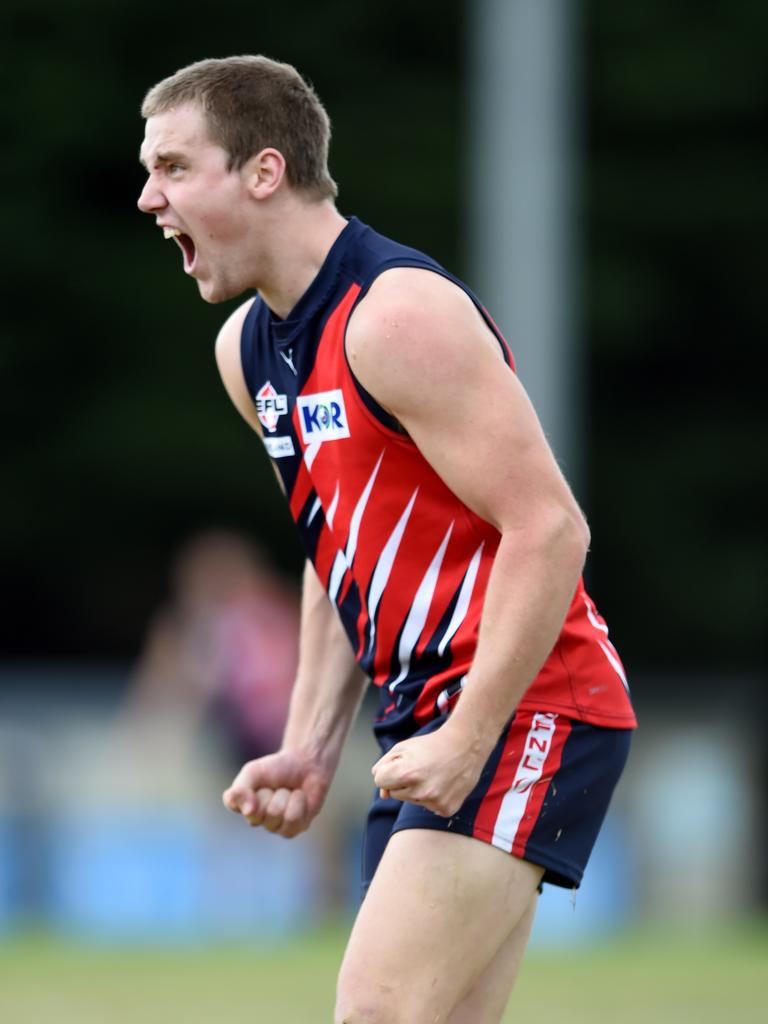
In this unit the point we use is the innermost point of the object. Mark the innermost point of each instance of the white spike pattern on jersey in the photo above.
(344, 559)
(357, 515)
(606, 646)
(444, 697)
(462, 604)
(313, 511)
(384, 567)
(332, 509)
(337, 574)
(310, 453)
(419, 610)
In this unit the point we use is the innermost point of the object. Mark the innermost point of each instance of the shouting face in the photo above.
(207, 209)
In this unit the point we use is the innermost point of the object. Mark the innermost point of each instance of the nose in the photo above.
(151, 199)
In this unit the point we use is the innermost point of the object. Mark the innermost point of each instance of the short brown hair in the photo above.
(250, 103)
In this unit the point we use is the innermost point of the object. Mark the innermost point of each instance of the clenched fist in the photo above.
(430, 770)
(282, 792)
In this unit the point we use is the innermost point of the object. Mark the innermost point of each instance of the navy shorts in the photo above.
(542, 796)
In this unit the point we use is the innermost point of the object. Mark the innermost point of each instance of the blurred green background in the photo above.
(119, 445)
(673, 979)
(118, 434)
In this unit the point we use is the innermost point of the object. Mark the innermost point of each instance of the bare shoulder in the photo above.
(230, 364)
(412, 324)
(228, 338)
(407, 303)
(419, 345)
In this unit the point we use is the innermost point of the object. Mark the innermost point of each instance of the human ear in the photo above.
(265, 173)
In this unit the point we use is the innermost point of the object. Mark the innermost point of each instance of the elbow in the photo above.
(556, 532)
(563, 534)
(576, 537)
(582, 531)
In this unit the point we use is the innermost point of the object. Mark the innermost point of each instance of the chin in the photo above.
(214, 293)
(209, 293)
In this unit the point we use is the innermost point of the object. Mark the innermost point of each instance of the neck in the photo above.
(302, 235)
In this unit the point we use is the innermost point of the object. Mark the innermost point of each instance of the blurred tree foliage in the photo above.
(676, 217)
(120, 440)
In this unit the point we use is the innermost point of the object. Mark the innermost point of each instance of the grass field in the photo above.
(713, 975)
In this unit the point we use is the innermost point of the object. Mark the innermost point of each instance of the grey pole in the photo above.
(523, 116)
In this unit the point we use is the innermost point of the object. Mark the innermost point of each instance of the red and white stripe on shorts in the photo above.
(531, 757)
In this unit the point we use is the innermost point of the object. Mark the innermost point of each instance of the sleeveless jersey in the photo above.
(404, 561)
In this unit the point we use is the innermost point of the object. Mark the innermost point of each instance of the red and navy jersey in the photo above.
(405, 562)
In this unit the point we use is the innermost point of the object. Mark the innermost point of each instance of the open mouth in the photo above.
(186, 245)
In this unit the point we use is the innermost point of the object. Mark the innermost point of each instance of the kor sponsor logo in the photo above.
(322, 416)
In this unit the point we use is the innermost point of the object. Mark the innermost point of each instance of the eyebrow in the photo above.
(167, 157)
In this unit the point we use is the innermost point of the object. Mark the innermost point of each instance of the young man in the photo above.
(444, 551)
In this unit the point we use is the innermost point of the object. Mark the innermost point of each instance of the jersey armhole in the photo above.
(247, 348)
(377, 411)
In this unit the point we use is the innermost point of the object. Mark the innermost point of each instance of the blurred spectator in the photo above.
(218, 663)
(222, 650)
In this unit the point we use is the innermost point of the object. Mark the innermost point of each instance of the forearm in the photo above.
(329, 684)
(531, 586)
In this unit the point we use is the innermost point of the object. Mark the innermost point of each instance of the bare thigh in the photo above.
(438, 913)
(487, 1000)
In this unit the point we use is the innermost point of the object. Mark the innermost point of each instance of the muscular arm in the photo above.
(418, 344)
(329, 683)
(284, 791)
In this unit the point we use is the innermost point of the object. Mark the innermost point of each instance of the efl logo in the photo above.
(270, 406)
(322, 416)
